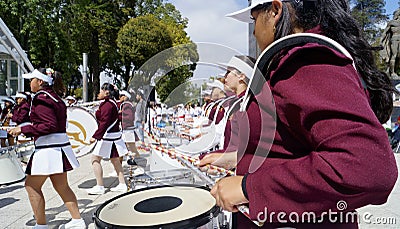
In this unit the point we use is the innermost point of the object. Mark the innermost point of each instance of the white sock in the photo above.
(76, 220)
(41, 226)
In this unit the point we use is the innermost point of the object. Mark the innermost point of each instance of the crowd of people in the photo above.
(294, 137)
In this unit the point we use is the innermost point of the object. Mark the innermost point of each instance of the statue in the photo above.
(391, 44)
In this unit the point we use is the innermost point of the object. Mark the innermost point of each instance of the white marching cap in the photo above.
(244, 15)
(38, 75)
(240, 65)
(216, 84)
(70, 98)
(125, 93)
(20, 95)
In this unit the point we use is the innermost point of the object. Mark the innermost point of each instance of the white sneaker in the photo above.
(74, 224)
(119, 188)
(96, 190)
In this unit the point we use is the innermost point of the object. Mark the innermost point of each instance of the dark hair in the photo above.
(58, 85)
(336, 22)
(114, 93)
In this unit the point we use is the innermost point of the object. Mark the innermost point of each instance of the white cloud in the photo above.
(207, 22)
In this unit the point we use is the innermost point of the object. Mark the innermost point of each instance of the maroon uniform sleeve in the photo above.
(44, 117)
(329, 146)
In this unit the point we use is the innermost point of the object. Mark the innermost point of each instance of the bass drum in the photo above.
(183, 206)
(81, 127)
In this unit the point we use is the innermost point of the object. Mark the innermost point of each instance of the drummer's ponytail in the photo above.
(58, 85)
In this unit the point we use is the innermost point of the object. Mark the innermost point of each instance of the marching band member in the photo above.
(237, 76)
(109, 140)
(53, 155)
(20, 115)
(71, 101)
(127, 118)
(9, 105)
(329, 149)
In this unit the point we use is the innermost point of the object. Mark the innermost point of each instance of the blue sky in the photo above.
(391, 6)
(207, 21)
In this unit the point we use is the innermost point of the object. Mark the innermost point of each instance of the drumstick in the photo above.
(210, 183)
(173, 153)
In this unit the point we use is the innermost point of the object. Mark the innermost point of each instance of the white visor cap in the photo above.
(38, 75)
(70, 98)
(20, 95)
(244, 15)
(216, 84)
(125, 93)
(240, 65)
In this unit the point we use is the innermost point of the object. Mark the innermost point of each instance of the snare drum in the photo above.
(165, 177)
(10, 166)
(183, 206)
(81, 127)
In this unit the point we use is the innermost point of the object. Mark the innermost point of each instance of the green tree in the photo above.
(55, 33)
(370, 14)
(139, 40)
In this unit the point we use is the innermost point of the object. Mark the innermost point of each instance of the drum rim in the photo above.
(80, 108)
(193, 222)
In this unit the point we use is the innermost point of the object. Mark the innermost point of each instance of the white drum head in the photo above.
(81, 127)
(158, 207)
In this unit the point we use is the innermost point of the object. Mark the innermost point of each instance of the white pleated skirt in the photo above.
(104, 146)
(53, 154)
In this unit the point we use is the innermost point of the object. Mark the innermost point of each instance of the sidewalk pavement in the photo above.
(15, 210)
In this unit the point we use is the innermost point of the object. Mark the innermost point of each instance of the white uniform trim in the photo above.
(45, 92)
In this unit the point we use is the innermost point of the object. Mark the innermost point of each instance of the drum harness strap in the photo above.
(264, 60)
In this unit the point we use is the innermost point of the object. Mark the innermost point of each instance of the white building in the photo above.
(13, 63)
